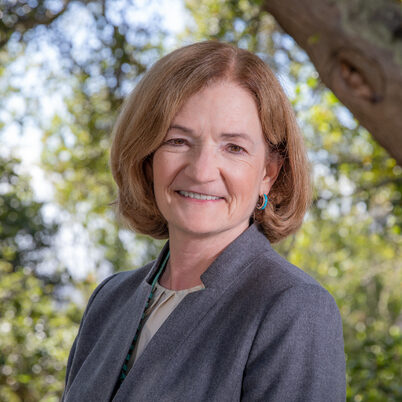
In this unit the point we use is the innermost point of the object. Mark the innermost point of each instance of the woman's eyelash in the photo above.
(176, 141)
(233, 148)
(237, 149)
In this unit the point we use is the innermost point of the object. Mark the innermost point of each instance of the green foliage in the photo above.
(19, 16)
(232, 21)
(76, 148)
(23, 233)
(33, 332)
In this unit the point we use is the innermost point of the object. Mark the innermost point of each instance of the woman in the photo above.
(207, 153)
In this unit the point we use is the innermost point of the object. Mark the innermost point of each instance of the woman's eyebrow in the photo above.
(231, 136)
(181, 128)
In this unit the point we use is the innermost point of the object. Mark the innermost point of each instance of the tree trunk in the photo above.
(356, 47)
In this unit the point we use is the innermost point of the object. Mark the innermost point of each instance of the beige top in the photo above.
(163, 302)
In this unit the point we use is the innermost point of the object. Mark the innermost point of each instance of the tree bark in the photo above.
(356, 47)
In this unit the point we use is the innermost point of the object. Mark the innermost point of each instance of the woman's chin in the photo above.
(201, 229)
(195, 227)
(206, 228)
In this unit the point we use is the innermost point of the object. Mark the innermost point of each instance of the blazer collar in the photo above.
(231, 261)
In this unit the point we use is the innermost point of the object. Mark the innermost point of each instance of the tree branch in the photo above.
(361, 64)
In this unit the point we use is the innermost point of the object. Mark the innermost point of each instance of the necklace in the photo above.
(123, 372)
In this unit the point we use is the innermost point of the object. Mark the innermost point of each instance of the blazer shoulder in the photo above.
(272, 267)
(120, 283)
(302, 325)
(291, 299)
(271, 278)
(137, 275)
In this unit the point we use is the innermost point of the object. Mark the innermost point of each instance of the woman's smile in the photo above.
(192, 196)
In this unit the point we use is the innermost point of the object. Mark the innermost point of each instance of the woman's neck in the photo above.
(190, 256)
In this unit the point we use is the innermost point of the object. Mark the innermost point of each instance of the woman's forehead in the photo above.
(223, 104)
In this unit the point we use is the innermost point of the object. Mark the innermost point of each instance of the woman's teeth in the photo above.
(198, 196)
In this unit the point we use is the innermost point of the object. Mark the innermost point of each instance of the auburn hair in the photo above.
(149, 110)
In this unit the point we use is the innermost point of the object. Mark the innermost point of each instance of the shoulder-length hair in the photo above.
(149, 110)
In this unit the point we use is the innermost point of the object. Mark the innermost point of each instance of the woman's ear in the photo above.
(272, 168)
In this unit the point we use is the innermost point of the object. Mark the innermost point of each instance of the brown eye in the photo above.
(176, 141)
(236, 149)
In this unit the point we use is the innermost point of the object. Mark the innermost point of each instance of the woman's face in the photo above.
(212, 165)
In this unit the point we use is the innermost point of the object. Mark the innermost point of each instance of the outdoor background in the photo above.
(65, 67)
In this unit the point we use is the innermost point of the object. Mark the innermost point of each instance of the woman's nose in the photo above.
(202, 165)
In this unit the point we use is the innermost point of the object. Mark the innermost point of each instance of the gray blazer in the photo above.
(261, 330)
